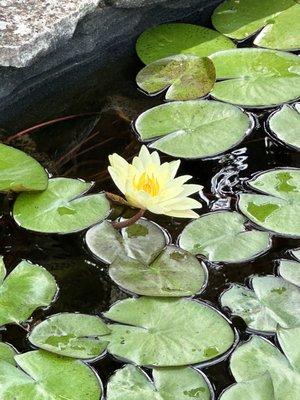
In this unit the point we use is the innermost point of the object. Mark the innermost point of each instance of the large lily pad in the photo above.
(279, 20)
(167, 332)
(278, 208)
(45, 376)
(285, 125)
(25, 289)
(290, 271)
(176, 38)
(61, 208)
(222, 236)
(194, 128)
(7, 353)
(19, 172)
(131, 383)
(71, 335)
(273, 301)
(256, 77)
(187, 77)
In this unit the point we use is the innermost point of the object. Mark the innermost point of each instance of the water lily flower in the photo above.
(149, 185)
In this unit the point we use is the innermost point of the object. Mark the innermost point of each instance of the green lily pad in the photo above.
(25, 289)
(273, 301)
(131, 383)
(167, 332)
(44, 376)
(285, 125)
(7, 353)
(290, 271)
(256, 77)
(194, 128)
(187, 77)
(71, 335)
(61, 208)
(263, 372)
(296, 253)
(176, 38)
(278, 208)
(19, 172)
(278, 19)
(222, 236)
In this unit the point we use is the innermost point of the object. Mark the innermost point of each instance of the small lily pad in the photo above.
(194, 128)
(167, 332)
(25, 289)
(71, 335)
(7, 353)
(177, 38)
(131, 383)
(256, 77)
(278, 208)
(187, 77)
(285, 125)
(290, 271)
(42, 375)
(19, 172)
(61, 208)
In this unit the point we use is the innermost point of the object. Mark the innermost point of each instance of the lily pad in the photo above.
(187, 77)
(19, 172)
(42, 375)
(167, 332)
(7, 353)
(131, 383)
(278, 208)
(279, 21)
(290, 271)
(273, 301)
(285, 125)
(194, 128)
(256, 77)
(177, 38)
(296, 253)
(71, 335)
(61, 208)
(222, 236)
(25, 289)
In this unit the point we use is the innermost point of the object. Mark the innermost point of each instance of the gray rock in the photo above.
(133, 3)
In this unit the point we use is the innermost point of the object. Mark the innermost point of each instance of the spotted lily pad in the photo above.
(131, 383)
(256, 77)
(187, 77)
(61, 208)
(273, 301)
(263, 372)
(285, 125)
(25, 289)
(222, 236)
(71, 335)
(194, 128)
(42, 375)
(176, 38)
(278, 208)
(167, 332)
(7, 353)
(19, 172)
(290, 271)
(278, 19)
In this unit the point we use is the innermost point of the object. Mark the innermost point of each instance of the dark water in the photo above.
(79, 148)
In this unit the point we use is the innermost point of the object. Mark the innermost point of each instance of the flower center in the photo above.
(147, 183)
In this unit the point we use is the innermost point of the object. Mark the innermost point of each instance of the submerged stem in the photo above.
(129, 221)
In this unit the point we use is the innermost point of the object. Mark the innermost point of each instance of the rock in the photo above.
(133, 3)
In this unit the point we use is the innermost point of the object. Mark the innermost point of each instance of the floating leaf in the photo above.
(167, 332)
(20, 172)
(256, 77)
(176, 38)
(296, 253)
(290, 271)
(279, 20)
(7, 353)
(71, 335)
(285, 125)
(131, 383)
(187, 77)
(61, 208)
(272, 302)
(222, 236)
(257, 389)
(194, 128)
(42, 375)
(25, 289)
(278, 208)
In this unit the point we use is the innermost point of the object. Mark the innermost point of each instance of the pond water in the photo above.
(79, 148)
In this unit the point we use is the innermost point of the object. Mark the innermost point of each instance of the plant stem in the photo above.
(130, 221)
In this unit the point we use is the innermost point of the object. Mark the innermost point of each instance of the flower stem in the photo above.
(130, 221)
